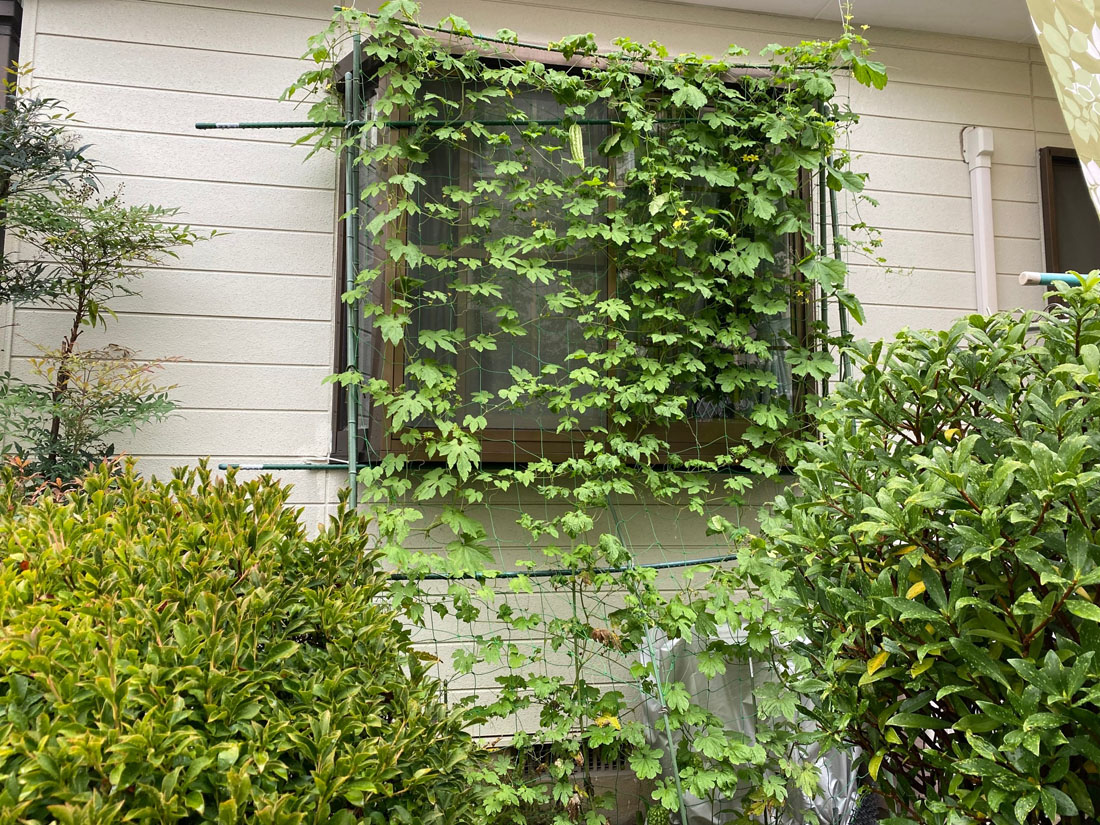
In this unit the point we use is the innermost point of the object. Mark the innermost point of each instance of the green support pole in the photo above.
(354, 114)
(410, 124)
(842, 311)
(823, 229)
(845, 361)
(351, 243)
(1048, 278)
(282, 466)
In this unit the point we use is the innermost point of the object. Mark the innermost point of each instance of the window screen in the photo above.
(548, 335)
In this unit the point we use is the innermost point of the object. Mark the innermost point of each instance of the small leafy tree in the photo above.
(940, 561)
(38, 155)
(179, 651)
(79, 250)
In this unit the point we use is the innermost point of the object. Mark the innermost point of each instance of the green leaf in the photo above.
(227, 756)
(194, 800)
(874, 764)
(1083, 609)
(978, 660)
(283, 650)
(227, 812)
(829, 272)
(869, 72)
(689, 96)
(645, 762)
(677, 698)
(391, 327)
(917, 720)
(877, 661)
(841, 179)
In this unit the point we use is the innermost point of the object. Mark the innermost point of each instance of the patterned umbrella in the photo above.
(1069, 34)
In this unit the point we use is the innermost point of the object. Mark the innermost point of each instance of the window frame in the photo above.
(509, 446)
(11, 22)
(1049, 157)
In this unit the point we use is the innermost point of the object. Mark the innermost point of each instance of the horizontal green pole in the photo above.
(318, 466)
(279, 124)
(302, 466)
(545, 574)
(1048, 278)
(408, 124)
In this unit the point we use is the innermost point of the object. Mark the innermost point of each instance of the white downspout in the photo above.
(978, 152)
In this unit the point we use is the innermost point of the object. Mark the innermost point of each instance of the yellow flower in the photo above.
(607, 720)
(676, 224)
(749, 158)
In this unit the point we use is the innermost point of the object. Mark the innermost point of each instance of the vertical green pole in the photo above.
(351, 269)
(845, 362)
(842, 311)
(823, 229)
(354, 114)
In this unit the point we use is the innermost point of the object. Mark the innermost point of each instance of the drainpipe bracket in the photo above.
(977, 145)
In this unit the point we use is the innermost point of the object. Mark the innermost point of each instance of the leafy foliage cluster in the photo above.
(38, 155)
(179, 651)
(939, 564)
(79, 250)
(694, 196)
(691, 190)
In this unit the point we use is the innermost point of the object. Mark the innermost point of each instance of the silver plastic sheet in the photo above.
(730, 697)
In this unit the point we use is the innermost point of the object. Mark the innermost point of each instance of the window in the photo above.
(1071, 228)
(525, 432)
(11, 19)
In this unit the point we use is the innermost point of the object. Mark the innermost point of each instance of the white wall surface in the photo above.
(251, 312)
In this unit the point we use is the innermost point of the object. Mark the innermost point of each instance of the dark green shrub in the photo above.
(180, 652)
(942, 552)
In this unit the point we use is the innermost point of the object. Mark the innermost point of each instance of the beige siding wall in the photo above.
(250, 313)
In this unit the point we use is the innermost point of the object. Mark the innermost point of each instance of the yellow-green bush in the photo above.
(180, 651)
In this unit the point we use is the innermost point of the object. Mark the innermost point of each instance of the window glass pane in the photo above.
(549, 336)
(771, 380)
(439, 171)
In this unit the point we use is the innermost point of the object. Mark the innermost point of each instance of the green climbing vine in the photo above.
(589, 278)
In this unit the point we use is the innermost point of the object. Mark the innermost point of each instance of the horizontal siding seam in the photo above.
(263, 410)
(192, 316)
(293, 187)
(326, 276)
(59, 79)
(71, 36)
(241, 183)
(190, 362)
(262, 14)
